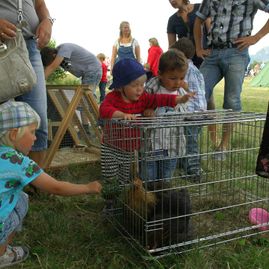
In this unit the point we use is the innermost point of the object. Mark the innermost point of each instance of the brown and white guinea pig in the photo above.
(139, 200)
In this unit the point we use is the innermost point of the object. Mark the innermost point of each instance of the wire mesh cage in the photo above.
(172, 190)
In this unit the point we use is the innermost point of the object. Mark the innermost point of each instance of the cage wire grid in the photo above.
(172, 191)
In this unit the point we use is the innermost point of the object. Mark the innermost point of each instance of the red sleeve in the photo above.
(150, 57)
(159, 100)
(107, 108)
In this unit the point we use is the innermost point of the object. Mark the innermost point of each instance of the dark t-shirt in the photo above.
(176, 25)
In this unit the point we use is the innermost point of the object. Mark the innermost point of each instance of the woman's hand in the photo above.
(43, 33)
(7, 29)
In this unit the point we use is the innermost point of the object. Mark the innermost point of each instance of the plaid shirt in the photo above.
(196, 83)
(230, 18)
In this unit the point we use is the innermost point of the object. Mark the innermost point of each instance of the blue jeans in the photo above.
(15, 218)
(231, 65)
(37, 98)
(157, 166)
(92, 78)
(191, 163)
(102, 89)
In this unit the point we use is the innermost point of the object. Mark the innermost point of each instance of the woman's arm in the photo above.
(43, 31)
(137, 53)
(113, 57)
(171, 39)
(197, 32)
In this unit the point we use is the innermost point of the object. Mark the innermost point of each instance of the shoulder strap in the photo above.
(20, 12)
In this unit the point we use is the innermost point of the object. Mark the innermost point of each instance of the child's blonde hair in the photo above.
(5, 139)
(121, 30)
(101, 56)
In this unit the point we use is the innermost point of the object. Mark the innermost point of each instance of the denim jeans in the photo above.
(191, 163)
(92, 79)
(157, 166)
(102, 89)
(231, 65)
(15, 218)
(37, 98)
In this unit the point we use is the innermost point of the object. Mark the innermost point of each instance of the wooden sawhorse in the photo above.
(83, 97)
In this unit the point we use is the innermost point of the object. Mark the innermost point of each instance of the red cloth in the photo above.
(104, 72)
(154, 54)
(122, 136)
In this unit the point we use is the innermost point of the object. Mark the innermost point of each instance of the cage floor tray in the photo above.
(77, 155)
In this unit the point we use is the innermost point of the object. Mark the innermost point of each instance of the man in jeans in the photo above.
(227, 57)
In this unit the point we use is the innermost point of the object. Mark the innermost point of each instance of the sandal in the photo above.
(13, 255)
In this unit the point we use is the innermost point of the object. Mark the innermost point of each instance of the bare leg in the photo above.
(212, 129)
(4, 246)
(226, 133)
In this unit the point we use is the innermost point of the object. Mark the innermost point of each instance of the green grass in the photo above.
(70, 232)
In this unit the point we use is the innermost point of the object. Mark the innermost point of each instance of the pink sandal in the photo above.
(13, 255)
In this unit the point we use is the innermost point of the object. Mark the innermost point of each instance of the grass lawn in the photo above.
(70, 232)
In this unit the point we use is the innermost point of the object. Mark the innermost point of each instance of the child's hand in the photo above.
(94, 187)
(185, 98)
(185, 86)
(124, 116)
(127, 116)
(150, 113)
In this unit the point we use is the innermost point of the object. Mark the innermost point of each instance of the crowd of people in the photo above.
(203, 47)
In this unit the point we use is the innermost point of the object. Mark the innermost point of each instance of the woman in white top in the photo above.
(125, 46)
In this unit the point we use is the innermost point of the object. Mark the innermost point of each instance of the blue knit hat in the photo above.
(15, 115)
(126, 71)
